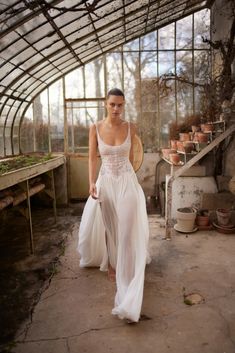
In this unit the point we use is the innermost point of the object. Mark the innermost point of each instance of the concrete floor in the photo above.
(74, 311)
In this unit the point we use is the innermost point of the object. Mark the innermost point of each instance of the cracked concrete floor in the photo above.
(73, 314)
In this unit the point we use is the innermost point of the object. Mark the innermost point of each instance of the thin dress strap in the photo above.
(97, 131)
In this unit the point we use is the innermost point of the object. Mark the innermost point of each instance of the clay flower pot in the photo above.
(202, 221)
(174, 144)
(191, 135)
(223, 216)
(202, 218)
(201, 137)
(167, 151)
(195, 128)
(188, 147)
(184, 136)
(207, 127)
(174, 158)
(180, 146)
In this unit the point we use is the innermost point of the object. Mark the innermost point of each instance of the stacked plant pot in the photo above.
(224, 223)
(203, 219)
(187, 143)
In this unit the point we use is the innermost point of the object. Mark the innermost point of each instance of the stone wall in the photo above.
(221, 17)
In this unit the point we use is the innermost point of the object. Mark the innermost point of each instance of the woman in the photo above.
(114, 226)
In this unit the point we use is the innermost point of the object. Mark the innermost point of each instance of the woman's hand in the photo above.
(93, 191)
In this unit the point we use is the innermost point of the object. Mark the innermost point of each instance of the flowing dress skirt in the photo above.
(114, 229)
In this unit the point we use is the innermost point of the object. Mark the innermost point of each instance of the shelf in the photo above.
(190, 153)
(175, 165)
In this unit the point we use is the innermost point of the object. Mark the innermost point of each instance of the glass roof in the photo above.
(42, 40)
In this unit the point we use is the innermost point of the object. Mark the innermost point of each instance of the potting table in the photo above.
(21, 178)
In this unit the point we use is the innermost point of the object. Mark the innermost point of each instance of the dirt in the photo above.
(23, 276)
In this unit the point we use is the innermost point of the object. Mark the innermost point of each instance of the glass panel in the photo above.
(148, 65)
(167, 109)
(184, 100)
(134, 5)
(184, 33)
(66, 65)
(8, 141)
(80, 116)
(202, 71)
(3, 116)
(166, 36)
(27, 132)
(56, 117)
(102, 21)
(133, 45)
(132, 86)
(1, 142)
(149, 99)
(114, 70)
(74, 84)
(184, 64)
(201, 28)
(184, 89)
(149, 41)
(16, 139)
(40, 117)
(166, 63)
(27, 54)
(94, 79)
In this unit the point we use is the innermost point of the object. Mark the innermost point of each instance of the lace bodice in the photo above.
(115, 159)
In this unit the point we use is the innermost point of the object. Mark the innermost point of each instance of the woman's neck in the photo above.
(112, 122)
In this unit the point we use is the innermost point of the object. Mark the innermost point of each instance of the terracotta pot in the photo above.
(195, 128)
(191, 135)
(180, 146)
(188, 147)
(167, 151)
(207, 127)
(184, 136)
(202, 220)
(174, 144)
(174, 158)
(223, 216)
(201, 137)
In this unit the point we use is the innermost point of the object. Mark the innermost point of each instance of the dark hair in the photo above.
(115, 92)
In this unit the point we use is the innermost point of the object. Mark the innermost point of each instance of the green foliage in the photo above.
(22, 162)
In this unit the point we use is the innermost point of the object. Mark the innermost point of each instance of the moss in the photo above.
(187, 301)
(22, 162)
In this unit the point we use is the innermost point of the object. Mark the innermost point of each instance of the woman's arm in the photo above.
(133, 132)
(92, 161)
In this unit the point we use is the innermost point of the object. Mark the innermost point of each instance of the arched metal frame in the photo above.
(42, 41)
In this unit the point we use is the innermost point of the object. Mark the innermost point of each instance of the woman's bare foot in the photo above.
(111, 274)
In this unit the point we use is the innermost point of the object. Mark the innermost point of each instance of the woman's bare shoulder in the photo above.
(93, 130)
(133, 128)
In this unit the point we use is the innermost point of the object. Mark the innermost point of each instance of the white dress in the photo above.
(114, 228)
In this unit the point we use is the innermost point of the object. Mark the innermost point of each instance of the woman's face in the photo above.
(115, 106)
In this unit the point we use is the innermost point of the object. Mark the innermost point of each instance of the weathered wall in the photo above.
(147, 172)
(221, 16)
(60, 175)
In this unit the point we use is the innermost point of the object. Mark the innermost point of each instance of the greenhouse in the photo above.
(174, 64)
